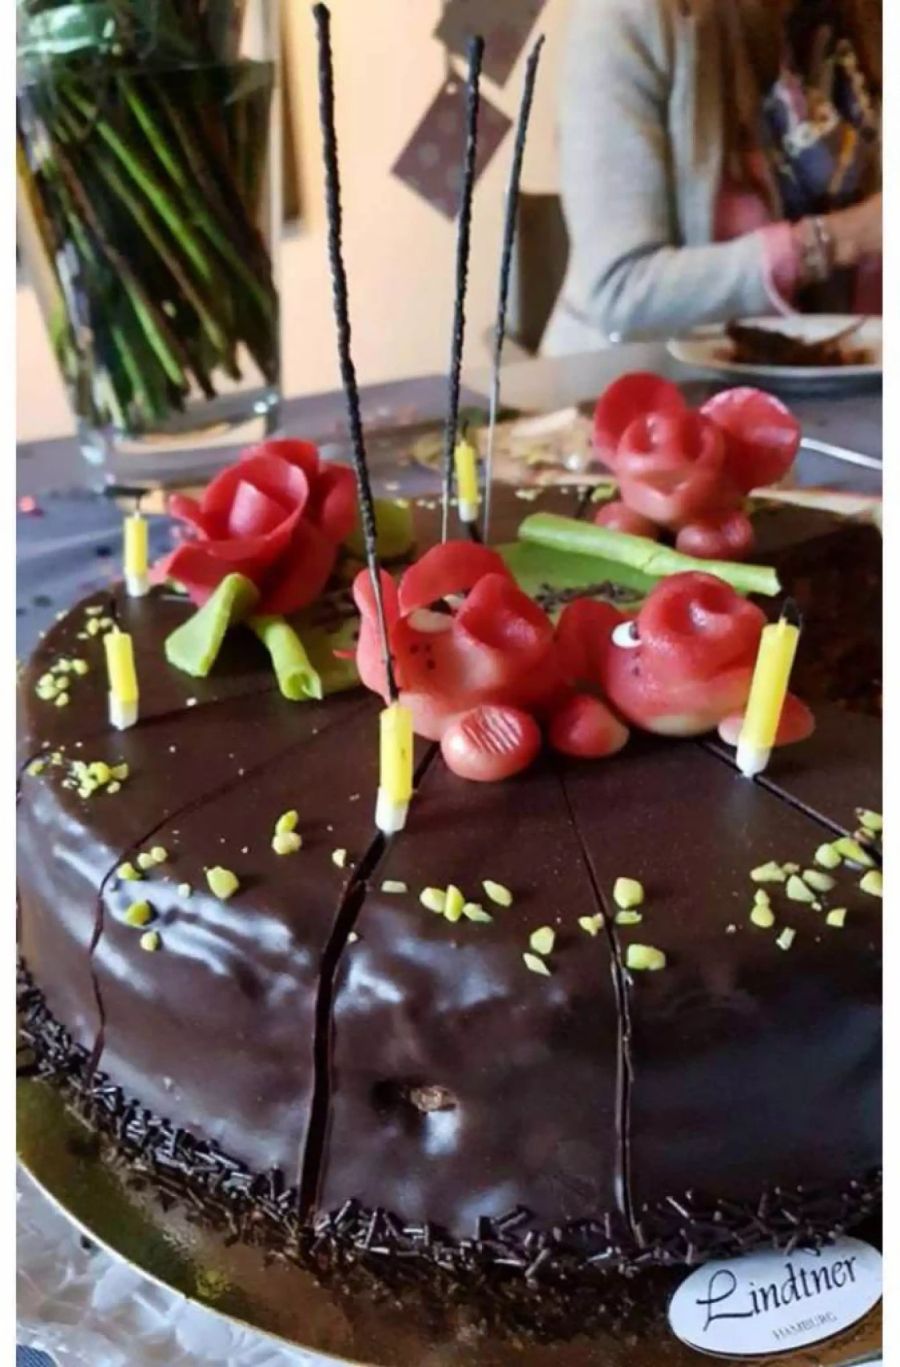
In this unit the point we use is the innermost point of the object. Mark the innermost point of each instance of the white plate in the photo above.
(706, 348)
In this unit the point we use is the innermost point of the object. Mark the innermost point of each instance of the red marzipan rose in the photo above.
(277, 516)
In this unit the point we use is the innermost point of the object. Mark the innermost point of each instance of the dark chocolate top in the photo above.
(318, 1022)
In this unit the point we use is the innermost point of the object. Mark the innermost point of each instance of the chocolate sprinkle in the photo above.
(585, 1278)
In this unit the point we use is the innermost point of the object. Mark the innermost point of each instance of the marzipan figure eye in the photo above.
(626, 635)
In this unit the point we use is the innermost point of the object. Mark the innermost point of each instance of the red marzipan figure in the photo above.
(689, 470)
(485, 672)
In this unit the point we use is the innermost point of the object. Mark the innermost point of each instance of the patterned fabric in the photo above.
(821, 120)
(32, 1357)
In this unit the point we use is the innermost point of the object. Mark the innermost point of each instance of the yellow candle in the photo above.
(396, 773)
(123, 685)
(467, 481)
(768, 690)
(137, 579)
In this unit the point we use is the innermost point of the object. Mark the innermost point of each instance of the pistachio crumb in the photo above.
(114, 787)
(453, 903)
(591, 924)
(120, 771)
(150, 941)
(138, 914)
(762, 916)
(629, 918)
(394, 885)
(497, 893)
(80, 666)
(536, 964)
(852, 852)
(872, 821)
(474, 911)
(128, 872)
(339, 858)
(100, 771)
(628, 893)
(145, 860)
(836, 917)
(822, 882)
(762, 898)
(798, 891)
(768, 873)
(287, 822)
(159, 854)
(37, 766)
(184, 889)
(872, 883)
(287, 842)
(644, 958)
(542, 940)
(786, 938)
(791, 868)
(827, 856)
(222, 882)
(435, 899)
(61, 700)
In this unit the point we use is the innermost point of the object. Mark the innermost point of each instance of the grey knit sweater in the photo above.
(641, 151)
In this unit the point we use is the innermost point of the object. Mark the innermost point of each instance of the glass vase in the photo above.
(149, 211)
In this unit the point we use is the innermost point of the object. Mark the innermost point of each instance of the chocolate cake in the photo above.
(325, 1066)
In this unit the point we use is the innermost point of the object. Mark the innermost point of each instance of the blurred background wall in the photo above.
(399, 250)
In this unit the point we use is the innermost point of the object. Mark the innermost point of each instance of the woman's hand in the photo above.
(856, 231)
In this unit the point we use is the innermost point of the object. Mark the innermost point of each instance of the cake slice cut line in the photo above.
(623, 1041)
(718, 750)
(194, 805)
(345, 919)
(741, 987)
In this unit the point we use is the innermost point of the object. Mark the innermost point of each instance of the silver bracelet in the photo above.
(818, 250)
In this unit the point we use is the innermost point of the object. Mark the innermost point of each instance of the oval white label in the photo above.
(771, 1302)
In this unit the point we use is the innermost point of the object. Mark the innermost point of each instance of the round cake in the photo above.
(301, 1044)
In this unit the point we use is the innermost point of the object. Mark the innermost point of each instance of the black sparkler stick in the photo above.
(342, 319)
(509, 234)
(463, 237)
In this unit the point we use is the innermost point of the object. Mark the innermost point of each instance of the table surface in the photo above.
(69, 542)
(539, 385)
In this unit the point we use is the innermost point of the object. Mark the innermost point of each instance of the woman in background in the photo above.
(719, 159)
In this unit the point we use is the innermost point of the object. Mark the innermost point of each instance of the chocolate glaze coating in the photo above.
(527, 1064)
(420, 1068)
(749, 1066)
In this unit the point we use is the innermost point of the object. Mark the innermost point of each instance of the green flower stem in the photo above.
(160, 335)
(117, 372)
(136, 374)
(255, 274)
(297, 678)
(226, 247)
(194, 646)
(157, 194)
(196, 173)
(135, 207)
(638, 552)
